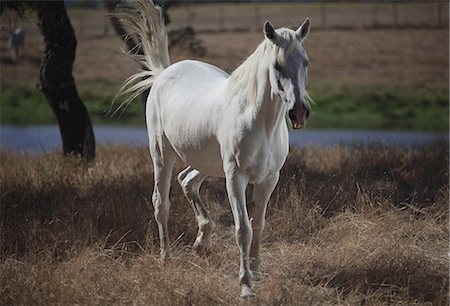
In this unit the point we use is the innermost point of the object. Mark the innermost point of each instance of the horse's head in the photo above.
(288, 71)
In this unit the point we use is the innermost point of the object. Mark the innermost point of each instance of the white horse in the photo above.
(220, 125)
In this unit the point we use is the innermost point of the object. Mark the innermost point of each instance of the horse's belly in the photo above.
(201, 154)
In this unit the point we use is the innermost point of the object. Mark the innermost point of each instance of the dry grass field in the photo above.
(346, 55)
(385, 78)
(344, 226)
(361, 77)
(394, 58)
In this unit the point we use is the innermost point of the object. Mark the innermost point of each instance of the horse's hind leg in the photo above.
(190, 180)
(163, 162)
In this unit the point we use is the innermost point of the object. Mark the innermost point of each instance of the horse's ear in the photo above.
(303, 30)
(269, 31)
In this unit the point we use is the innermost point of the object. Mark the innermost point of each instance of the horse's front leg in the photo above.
(260, 198)
(236, 183)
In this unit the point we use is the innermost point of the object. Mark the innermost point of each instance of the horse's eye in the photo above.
(280, 87)
(306, 63)
(277, 67)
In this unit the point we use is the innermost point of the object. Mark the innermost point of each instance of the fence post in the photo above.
(323, 14)
(257, 16)
(375, 15)
(105, 27)
(81, 27)
(188, 15)
(395, 13)
(439, 8)
(220, 19)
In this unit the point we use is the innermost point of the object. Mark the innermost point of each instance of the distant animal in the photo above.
(220, 125)
(16, 43)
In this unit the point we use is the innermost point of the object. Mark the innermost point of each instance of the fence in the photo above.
(251, 16)
(92, 23)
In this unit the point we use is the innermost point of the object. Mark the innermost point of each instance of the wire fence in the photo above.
(251, 16)
(91, 23)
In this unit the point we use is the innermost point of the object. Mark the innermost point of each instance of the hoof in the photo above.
(203, 242)
(202, 247)
(164, 257)
(247, 292)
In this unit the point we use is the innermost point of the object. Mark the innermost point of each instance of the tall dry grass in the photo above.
(344, 226)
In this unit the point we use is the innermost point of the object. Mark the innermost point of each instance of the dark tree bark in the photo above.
(57, 82)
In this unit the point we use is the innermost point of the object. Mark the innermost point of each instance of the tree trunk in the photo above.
(57, 82)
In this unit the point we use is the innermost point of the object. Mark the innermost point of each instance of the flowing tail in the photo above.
(145, 23)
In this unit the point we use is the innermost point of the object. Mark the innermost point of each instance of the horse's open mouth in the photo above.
(298, 125)
(298, 118)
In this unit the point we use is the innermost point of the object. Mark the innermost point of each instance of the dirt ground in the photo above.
(408, 58)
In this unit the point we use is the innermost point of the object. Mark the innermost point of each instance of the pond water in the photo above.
(46, 138)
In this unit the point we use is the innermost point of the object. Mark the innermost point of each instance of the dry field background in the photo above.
(345, 15)
(391, 58)
(340, 54)
(344, 226)
(380, 77)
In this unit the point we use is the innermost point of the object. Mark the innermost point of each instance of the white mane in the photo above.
(245, 78)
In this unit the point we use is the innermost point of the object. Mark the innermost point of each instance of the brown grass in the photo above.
(345, 226)
(392, 58)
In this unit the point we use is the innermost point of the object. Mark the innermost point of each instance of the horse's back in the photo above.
(185, 103)
(191, 89)
(186, 75)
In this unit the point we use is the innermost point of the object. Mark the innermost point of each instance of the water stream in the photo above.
(45, 138)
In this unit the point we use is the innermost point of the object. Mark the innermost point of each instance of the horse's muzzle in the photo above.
(298, 116)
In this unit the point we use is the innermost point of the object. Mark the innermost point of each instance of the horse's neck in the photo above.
(266, 113)
(269, 111)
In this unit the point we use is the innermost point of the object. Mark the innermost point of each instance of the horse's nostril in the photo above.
(292, 115)
(307, 113)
